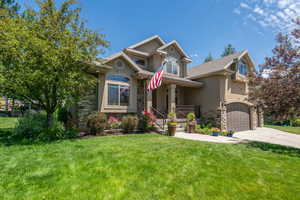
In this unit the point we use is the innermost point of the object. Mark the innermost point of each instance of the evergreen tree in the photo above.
(229, 49)
(208, 58)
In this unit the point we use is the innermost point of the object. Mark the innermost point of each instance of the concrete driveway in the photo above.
(270, 135)
(267, 135)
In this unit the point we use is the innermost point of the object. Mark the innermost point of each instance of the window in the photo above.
(118, 90)
(140, 61)
(243, 68)
(172, 67)
(118, 78)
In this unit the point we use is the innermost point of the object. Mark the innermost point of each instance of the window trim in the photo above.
(119, 84)
(242, 63)
(138, 58)
(177, 66)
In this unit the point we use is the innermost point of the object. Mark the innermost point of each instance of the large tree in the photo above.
(208, 58)
(45, 55)
(277, 84)
(10, 5)
(228, 50)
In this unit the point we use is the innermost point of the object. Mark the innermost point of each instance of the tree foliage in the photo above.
(229, 49)
(44, 56)
(10, 5)
(277, 84)
(208, 58)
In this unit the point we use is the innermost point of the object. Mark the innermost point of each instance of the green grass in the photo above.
(290, 129)
(150, 167)
(7, 122)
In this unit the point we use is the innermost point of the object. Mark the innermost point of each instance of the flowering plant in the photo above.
(148, 120)
(224, 132)
(113, 123)
(215, 130)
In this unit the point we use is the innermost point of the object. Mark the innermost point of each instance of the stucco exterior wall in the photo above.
(236, 91)
(126, 71)
(149, 47)
(209, 96)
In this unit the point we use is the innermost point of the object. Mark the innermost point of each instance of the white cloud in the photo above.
(275, 14)
(237, 11)
(194, 55)
(244, 5)
(259, 11)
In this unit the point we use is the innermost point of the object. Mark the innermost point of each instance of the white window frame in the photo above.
(173, 65)
(119, 84)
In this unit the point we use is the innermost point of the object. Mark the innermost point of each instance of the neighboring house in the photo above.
(219, 87)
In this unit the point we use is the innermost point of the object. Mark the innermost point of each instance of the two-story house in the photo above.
(219, 86)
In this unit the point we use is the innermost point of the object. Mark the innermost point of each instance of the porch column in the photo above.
(172, 98)
(148, 98)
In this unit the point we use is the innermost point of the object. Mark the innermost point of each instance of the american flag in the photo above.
(156, 79)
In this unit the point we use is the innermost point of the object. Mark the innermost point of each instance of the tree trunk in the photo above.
(49, 119)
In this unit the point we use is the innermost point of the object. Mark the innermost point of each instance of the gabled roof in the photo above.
(136, 52)
(156, 37)
(123, 55)
(175, 43)
(215, 66)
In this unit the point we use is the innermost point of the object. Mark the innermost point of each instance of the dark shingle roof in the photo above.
(213, 66)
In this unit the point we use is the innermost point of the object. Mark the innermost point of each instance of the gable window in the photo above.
(140, 61)
(172, 67)
(118, 90)
(243, 68)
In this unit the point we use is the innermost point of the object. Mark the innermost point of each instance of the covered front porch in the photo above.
(174, 96)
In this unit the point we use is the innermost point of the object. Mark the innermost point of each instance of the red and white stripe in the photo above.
(156, 80)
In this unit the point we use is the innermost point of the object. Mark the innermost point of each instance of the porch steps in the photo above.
(181, 123)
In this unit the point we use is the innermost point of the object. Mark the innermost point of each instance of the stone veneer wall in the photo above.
(253, 118)
(140, 96)
(222, 118)
(86, 106)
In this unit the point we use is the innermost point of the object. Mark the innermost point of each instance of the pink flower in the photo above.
(113, 119)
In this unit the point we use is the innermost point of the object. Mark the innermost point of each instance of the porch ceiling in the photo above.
(172, 79)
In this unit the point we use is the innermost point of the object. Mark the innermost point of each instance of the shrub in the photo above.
(129, 123)
(97, 122)
(33, 127)
(147, 121)
(63, 115)
(224, 132)
(296, 122)
(208, 119)
(204, 130)
(172, 116)
(113, 123)
(191, 116)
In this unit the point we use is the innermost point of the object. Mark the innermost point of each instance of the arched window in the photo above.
(118, 90)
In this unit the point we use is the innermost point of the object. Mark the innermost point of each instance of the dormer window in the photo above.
(172, 67)
(243, 68)
(140, 61)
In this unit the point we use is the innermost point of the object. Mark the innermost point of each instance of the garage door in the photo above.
(238, 117)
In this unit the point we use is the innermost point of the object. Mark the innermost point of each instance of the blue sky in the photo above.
(200, 26)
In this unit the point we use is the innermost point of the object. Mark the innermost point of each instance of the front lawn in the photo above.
(148, 167)
(290, 129)
(7, 122)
